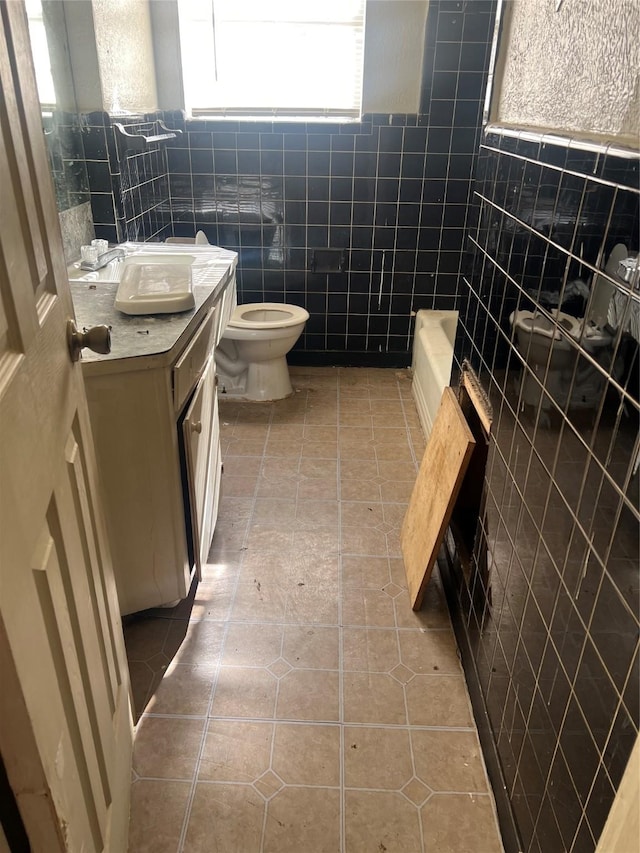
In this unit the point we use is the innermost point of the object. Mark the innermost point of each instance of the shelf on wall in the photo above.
(137, 142)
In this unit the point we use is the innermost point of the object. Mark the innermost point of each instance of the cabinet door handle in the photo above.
(196, 426)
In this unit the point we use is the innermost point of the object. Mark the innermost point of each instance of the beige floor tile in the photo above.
(307, 694)
(213, 598)
(269, 568)
(225, 818)
(430, 651)
(252, 644)
(369, 650)
(368, 607)
(259, 602)
(318, 468)
(284, 447)
(360, 490)
(143, 681)
(288, 432)
(377, 758)
(272, 511)
(303, 820)
(397, 571)
(310, 513)
(284, 487)
(449, 760)
(313, 568)
(373, 698)
(237, 486)
(242, 466)
(460, 823)
(167, 747)
(311, 647)
(391, 452)
(157, 814)
(244, 692)
(316, 604)
(185, 689)
(318, 488)
(396, 491)
(269, 537)
(379, 821)
(357, 470)
(307, 755)
(277, 562)
(235, 751)
(361, 513)
(144, 637)
(198, 642)
(438, 700)
(363, 540)
(321, 540)
(389, 435)
(245, 447)
(365, 571)
(319, 449)
(320, 433)
(432, 614)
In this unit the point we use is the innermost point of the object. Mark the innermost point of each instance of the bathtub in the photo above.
(433, 340)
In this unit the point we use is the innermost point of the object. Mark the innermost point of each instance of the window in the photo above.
(274, 57)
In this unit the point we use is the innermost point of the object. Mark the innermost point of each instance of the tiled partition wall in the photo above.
(129, 190)
(551, 641)
(390, 194)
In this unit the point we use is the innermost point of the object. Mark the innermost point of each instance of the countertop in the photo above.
(146, 335)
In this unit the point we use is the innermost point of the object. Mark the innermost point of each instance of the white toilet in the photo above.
(251, 357)
(536, 336)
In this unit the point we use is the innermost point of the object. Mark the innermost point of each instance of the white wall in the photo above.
(394, 44)
(125, 55)
(573, 70)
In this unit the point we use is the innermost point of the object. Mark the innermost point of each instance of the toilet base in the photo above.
(261, 381)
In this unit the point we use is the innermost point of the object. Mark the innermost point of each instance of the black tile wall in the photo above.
(390, 192)
(63, 137)
(129, 191)
(552, 636)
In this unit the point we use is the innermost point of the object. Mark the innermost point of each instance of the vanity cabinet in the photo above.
(154, 418)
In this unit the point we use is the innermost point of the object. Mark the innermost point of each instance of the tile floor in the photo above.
(295, 702)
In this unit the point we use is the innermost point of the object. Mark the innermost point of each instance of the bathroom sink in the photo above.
(113, 271)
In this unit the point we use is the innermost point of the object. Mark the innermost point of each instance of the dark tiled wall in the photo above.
(63, 137)
(129, 191)
(553, 636)
(389, 195)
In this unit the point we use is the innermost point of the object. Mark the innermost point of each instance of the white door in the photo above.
(65, 717)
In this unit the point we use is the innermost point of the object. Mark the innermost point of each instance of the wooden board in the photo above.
(443, 467)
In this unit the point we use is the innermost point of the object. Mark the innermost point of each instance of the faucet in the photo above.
(103, 259)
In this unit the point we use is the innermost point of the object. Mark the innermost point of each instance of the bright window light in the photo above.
(40, 51)
(276, 57)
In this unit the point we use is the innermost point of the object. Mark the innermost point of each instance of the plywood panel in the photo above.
(444, 463)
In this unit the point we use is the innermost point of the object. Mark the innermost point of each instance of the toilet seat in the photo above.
(535, 322)
(267, 315)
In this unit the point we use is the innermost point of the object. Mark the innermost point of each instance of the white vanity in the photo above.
(154, 415)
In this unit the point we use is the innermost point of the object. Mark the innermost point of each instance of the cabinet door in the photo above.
(199, 435)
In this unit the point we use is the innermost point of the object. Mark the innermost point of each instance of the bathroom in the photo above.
(426, 210)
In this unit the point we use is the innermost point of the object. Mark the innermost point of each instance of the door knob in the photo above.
(196, 426)
(98, 339)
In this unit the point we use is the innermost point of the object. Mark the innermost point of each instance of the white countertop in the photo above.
(94, 294)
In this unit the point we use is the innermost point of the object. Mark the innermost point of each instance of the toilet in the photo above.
(536, 336)
(251, 357)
